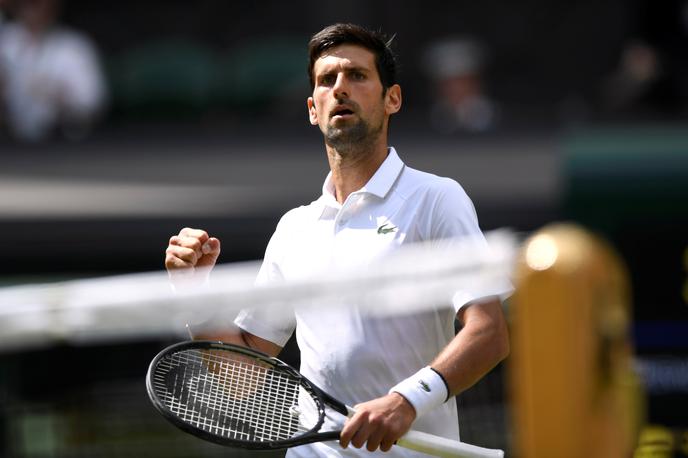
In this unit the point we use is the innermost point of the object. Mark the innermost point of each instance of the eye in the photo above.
(328, 79)
(358, 76)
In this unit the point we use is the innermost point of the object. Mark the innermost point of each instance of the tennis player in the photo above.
(397, 370)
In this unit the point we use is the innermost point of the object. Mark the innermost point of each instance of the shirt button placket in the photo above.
(346, 210)
(343, 217)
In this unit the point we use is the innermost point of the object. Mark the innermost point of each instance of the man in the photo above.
(50, 75)
(371, 204)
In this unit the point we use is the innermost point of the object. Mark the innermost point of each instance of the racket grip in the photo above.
(445, 448)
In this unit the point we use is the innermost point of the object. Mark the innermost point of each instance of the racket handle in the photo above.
(445, 448)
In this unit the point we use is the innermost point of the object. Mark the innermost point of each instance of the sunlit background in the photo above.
(122, 122)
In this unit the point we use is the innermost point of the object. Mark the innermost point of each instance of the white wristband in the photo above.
(424, 390)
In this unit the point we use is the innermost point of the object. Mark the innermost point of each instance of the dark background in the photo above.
(215, 135)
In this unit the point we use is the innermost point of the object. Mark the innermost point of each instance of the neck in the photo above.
(352, 169)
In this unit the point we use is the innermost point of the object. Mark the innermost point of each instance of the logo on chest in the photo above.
(386, 229)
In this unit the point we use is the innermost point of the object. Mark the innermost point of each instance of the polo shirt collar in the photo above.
(385, 177)
(379, 184)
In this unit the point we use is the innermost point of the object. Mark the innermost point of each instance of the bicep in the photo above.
(487, 312)
(485, 320)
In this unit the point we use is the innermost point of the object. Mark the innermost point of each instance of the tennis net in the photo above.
(74, 353)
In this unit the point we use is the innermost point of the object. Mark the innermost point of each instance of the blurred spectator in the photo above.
(638, 83)
(456, 67)
(651, 77)
(50, 76)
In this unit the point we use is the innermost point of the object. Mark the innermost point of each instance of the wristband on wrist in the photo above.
(424, 390)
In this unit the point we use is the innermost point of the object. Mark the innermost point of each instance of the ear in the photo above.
(393, 99)
(312, 114)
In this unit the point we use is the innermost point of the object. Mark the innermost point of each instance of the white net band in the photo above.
(412, 278)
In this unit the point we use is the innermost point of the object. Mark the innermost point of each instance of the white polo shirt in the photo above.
(351, 355)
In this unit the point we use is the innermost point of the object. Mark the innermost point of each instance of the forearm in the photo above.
(477, 348)
(480, 345)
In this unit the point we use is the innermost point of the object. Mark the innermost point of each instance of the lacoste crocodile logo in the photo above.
(386, 230)
(424, 385)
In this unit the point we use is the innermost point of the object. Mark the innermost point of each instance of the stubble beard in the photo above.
(352, 139)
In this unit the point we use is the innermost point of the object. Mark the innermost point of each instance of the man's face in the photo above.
(37, 14)
(348, 102)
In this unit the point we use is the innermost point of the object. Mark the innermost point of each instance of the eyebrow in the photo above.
(346, 69)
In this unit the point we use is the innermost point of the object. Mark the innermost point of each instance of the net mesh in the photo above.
(115, 326)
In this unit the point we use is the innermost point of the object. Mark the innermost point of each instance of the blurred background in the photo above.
(122, 122)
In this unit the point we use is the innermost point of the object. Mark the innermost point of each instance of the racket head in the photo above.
(235, 396)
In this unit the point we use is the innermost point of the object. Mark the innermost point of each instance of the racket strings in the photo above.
(232, 396)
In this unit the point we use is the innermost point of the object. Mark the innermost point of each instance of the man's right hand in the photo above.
(190, 250)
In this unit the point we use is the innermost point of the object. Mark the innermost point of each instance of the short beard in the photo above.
(352, 139)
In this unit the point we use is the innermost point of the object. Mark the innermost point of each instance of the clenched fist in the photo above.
(191, 250)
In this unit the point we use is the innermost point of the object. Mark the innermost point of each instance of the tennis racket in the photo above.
(239, 397)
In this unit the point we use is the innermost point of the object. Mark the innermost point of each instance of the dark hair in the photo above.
(376, 42)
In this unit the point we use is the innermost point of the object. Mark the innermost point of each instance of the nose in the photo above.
(341, 87)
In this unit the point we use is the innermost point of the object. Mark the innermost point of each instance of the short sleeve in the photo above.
(452, 219)
(452, 213)
(263, 321)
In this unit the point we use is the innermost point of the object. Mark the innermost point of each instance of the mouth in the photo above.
(341, 112)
